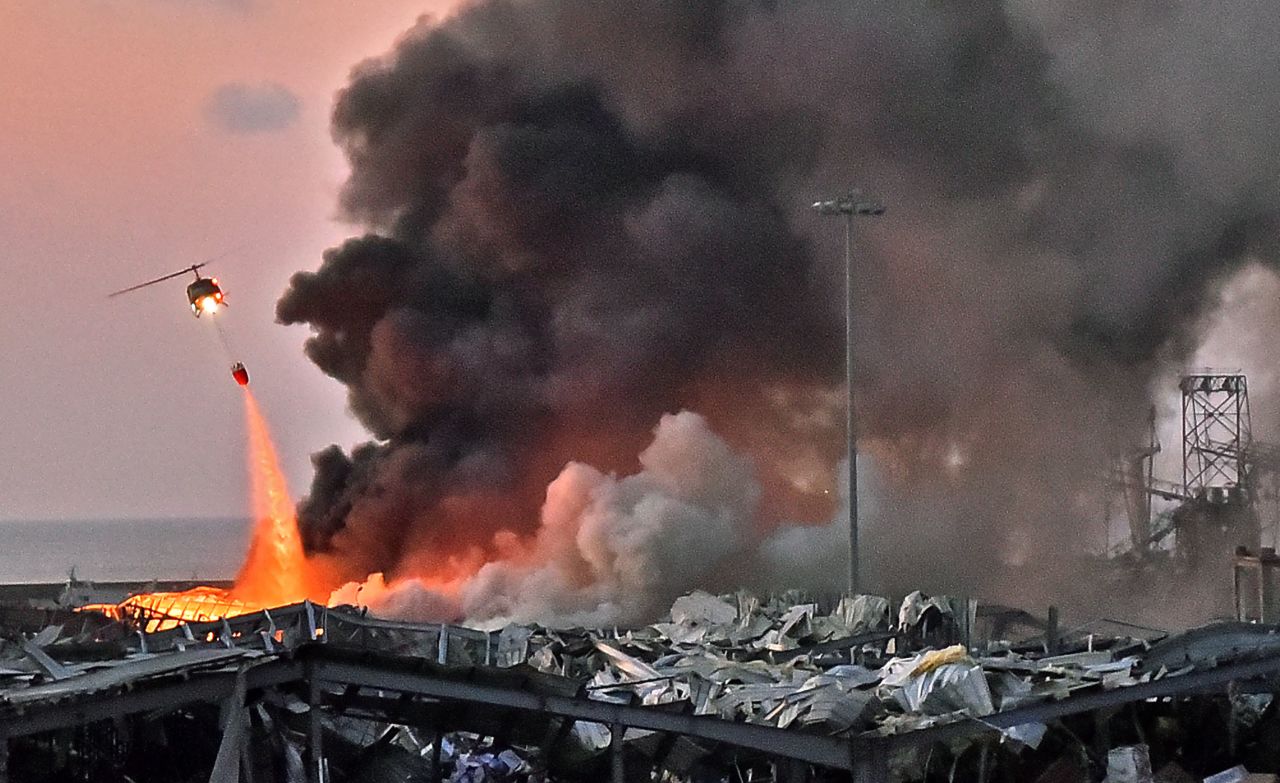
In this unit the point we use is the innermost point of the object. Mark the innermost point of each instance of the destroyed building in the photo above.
(193, 683)
(729, 688)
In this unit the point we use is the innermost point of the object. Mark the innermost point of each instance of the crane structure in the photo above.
(1216, 437)
(1230, 483)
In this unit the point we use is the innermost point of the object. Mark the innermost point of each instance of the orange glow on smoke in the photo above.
(274, 572)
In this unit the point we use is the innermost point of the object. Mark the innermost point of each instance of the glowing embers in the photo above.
(153, 612)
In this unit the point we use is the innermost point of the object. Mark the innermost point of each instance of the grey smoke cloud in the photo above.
(612, 549)
(608, 548)
(584, 215)
(247, 109)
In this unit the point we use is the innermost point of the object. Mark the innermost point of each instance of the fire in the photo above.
(274, 572)
(275, 569)
(161, 611)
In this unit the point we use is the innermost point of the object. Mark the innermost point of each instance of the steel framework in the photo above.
(1216, 437)
(338, 673)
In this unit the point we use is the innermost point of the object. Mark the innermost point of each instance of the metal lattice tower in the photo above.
(1216, 437)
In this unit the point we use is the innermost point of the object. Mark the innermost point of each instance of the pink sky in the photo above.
(112, 171)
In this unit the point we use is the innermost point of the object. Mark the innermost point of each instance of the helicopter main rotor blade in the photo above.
(235, 249)
(190, 269)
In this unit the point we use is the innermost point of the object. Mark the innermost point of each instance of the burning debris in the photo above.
(160, 611)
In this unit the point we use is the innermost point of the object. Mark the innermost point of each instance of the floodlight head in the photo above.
(852, 203)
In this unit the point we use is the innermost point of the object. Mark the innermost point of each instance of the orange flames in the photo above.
(162, 611)
(275, 569)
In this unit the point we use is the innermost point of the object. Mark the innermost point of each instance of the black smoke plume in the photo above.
(584, 214)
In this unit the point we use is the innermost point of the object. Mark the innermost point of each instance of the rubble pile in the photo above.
(861, 669)
(790, 665)
(738, 658)
(723, 688)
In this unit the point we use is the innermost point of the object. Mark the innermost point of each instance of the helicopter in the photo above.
(205, 296)
(204, 293)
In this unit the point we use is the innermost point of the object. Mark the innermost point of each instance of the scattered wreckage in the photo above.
(728, 688)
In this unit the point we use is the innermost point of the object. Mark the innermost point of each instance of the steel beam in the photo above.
(235, 732)
(315, 731)
(143, 697)
(830, 752)
(617, 765)
(437, 771)
(1209, 680)
(40, 717)
(321, 667)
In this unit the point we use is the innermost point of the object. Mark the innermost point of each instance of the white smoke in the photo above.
(408, 599)
(613, 549)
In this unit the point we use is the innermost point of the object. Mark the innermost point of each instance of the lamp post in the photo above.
(849, 205)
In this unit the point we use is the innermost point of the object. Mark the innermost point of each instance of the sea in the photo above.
(115, 550)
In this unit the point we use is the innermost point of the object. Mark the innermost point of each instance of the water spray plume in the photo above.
(274, 570)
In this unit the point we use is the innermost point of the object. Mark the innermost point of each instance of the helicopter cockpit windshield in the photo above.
(205, 295)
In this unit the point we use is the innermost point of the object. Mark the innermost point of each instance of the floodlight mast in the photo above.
(849, 205)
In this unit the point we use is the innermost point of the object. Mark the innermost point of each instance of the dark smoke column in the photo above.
(550, 269)
(849, 205)
(580, 216)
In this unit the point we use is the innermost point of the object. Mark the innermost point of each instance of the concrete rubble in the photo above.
(917, 689)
